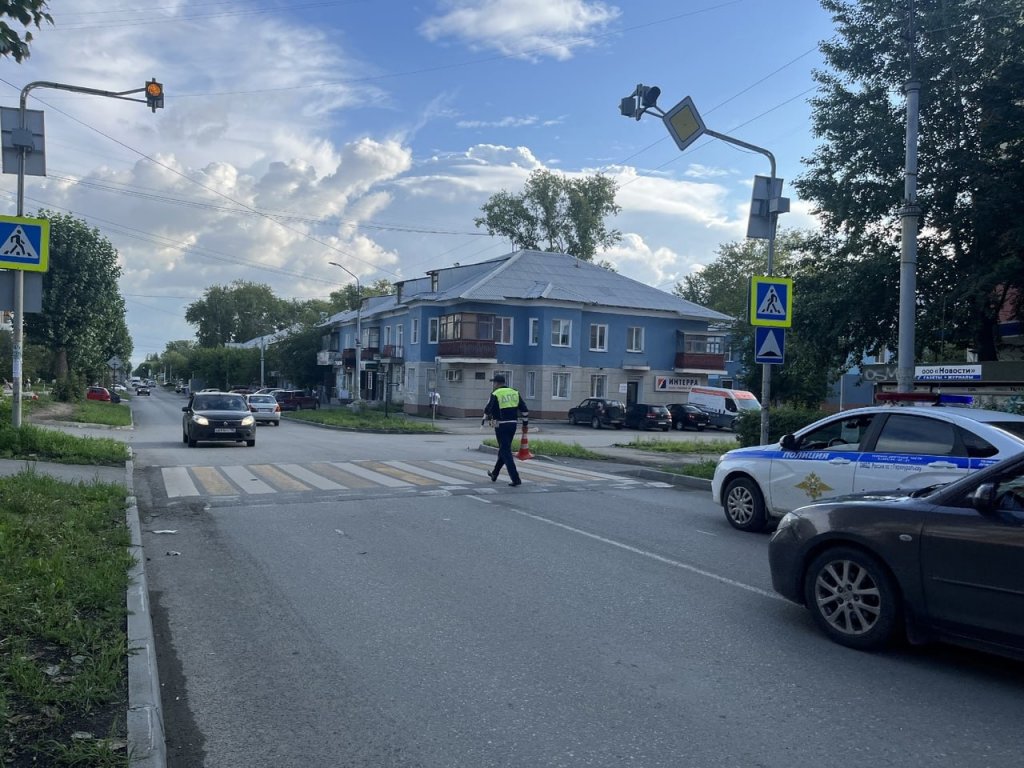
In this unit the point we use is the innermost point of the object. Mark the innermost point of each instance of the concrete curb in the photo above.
(145, 718)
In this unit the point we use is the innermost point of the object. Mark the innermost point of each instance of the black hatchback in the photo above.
(217, 416)
(645, 416)
(685, 416)
(939, 563)
(598, 412)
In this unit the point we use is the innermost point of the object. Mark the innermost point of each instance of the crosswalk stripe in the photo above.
(427, 473)
(278, 478)
(368, 474)
(246, 480)
(178, 483)
(475, 469)
(312, 478)
(347, 479)
(213, 482)
(530, 470)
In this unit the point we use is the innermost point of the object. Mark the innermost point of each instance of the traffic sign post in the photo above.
(769, 345)
(771, 302)
(24, 243)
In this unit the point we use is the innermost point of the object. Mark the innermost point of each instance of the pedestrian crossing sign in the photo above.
(24, 243)
(769, 346)
(771, 301)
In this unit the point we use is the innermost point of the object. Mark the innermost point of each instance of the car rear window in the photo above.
(1015, 428)
(916, 434)
(261, 399)
(219, 403)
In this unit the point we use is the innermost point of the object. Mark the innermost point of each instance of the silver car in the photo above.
(265, 409)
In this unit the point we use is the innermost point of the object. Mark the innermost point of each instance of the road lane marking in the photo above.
(246, 480)
(427, 473)
(317, 481)
(652, 556)
(178, 483)
(368, 474)
(213, 482)
(278, 478)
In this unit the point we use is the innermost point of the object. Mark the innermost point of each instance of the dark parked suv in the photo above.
(645, 416)
(599, 412)
(296, 400)
(685, 416)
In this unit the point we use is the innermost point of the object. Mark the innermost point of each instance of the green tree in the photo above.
(347, 297)
(971, 168)
(295, 356)
(83, 317)
(237, 312)
(27, 13)
(555, 213)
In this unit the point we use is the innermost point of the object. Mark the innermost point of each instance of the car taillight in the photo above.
(252, 408)
(277, 408)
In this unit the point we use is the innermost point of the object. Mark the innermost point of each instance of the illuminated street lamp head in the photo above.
(154, 95)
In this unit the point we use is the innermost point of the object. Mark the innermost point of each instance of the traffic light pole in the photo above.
(24, 147)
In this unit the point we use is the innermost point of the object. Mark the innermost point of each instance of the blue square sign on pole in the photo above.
(771, 301)
(769, 346)
(24, 243)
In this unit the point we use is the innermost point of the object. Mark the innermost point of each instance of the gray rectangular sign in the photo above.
(33, 290)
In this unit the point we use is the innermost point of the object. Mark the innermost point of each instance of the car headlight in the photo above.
(788, 520)
(248, 421)
(200, 420)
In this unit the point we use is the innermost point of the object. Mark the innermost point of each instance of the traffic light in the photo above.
(649, 96)
(627, 107)
(154, 95)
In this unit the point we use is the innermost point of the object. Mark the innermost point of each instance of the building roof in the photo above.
(536, 275)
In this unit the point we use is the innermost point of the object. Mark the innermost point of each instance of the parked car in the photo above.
(98, 393)
(217, 416)
(720, 419)
(686, 416)
(296, 400)
(599, 412)
(265, 409)
(940, 563)
(645, 416)
(141, 389)
(865, 449)
(723, 405)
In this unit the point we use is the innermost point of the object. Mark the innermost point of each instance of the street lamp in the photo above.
(359, 329)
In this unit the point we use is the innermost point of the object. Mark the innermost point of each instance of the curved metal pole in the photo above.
(359, 330)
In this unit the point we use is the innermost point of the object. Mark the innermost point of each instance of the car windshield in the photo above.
(749, 405)
(219, 403)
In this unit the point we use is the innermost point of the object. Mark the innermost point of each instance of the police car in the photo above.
(883, 447)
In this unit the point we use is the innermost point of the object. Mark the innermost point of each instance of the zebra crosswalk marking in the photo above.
(409, 477)
(312, 478)
(246, 480)
(532, 471)
(213, 482)
(587, 474)
(177, 482)
(427, 473)
(473, 469)
(278, 478)
(377, 478)
(346, 479)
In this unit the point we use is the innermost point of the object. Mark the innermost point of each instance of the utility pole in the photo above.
(910, 213)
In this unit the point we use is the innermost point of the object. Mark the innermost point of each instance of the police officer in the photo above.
(503, 410)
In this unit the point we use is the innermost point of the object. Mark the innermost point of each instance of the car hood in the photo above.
(223, 415)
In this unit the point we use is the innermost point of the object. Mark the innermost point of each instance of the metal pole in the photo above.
(359, 330)
(908, 249)
(18, 338)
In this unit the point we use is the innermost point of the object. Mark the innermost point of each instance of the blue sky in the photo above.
(370, 132)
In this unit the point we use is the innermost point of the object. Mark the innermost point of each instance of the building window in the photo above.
(598, 338)
(561, 386)
(453, 374)
(599, 385)
(414, 331)
(561, 330)
(635, 339)
(531, 384)
(705, 344)
(432, 333)
(534, 331)
(467, 325)
(433, 281)
(399, 336)
(503, 330)
(387, 335)
(507, 375)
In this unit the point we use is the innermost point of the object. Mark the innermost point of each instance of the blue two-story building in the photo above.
(558, 328)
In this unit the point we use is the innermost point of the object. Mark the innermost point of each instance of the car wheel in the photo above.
(678, 426)
(595, 423)
(184, 436)
(572, 421)
(744, 505)
(250, 443)
(191, 443)
(852, 598)
(277, 423)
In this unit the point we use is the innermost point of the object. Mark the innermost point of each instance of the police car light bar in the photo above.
(930, 398)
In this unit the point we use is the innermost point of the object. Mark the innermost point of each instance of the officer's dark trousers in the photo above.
(504, 434)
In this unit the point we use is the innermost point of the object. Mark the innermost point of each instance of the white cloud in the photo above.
(505, 122)
(528, 28)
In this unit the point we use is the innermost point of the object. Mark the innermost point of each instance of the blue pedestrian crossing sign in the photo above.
(769, 346)
(24, 243)
(771, 301)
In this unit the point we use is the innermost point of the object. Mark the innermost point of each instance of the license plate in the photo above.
(224, 431)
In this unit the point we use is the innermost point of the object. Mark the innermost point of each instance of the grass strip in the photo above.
(96, 412)
(31, 442)
(711, 448)
(63, 641)
(550, 448)
(366, 419)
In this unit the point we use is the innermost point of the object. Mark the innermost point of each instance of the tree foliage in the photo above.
(555, 213)
(966, 55)
(27, 13)
(83, 317)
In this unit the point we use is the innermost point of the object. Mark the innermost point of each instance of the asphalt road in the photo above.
(598, 623)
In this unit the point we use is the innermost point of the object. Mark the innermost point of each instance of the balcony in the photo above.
(348, 355)
(705, 362)
(328, 357)
(468, 349)
(396, 353)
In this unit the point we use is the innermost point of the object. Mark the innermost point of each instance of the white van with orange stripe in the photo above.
(723, 405)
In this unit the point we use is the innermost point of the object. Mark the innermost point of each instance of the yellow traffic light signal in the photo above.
(155, 95)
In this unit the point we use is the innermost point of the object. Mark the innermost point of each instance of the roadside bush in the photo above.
(783, 420)
(70, 389)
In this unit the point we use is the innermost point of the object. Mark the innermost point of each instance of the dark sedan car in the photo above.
(598, 412)
(685, 416)
(217, 416)
(939, 563)
(644, 416)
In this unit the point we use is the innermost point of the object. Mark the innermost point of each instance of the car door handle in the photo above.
(942, 464)
(838, 460)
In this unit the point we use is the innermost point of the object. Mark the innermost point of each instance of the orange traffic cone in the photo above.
(524, 445)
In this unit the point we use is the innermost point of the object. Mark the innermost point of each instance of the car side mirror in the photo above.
(789, 443)
(984, 497)
(184, 409)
